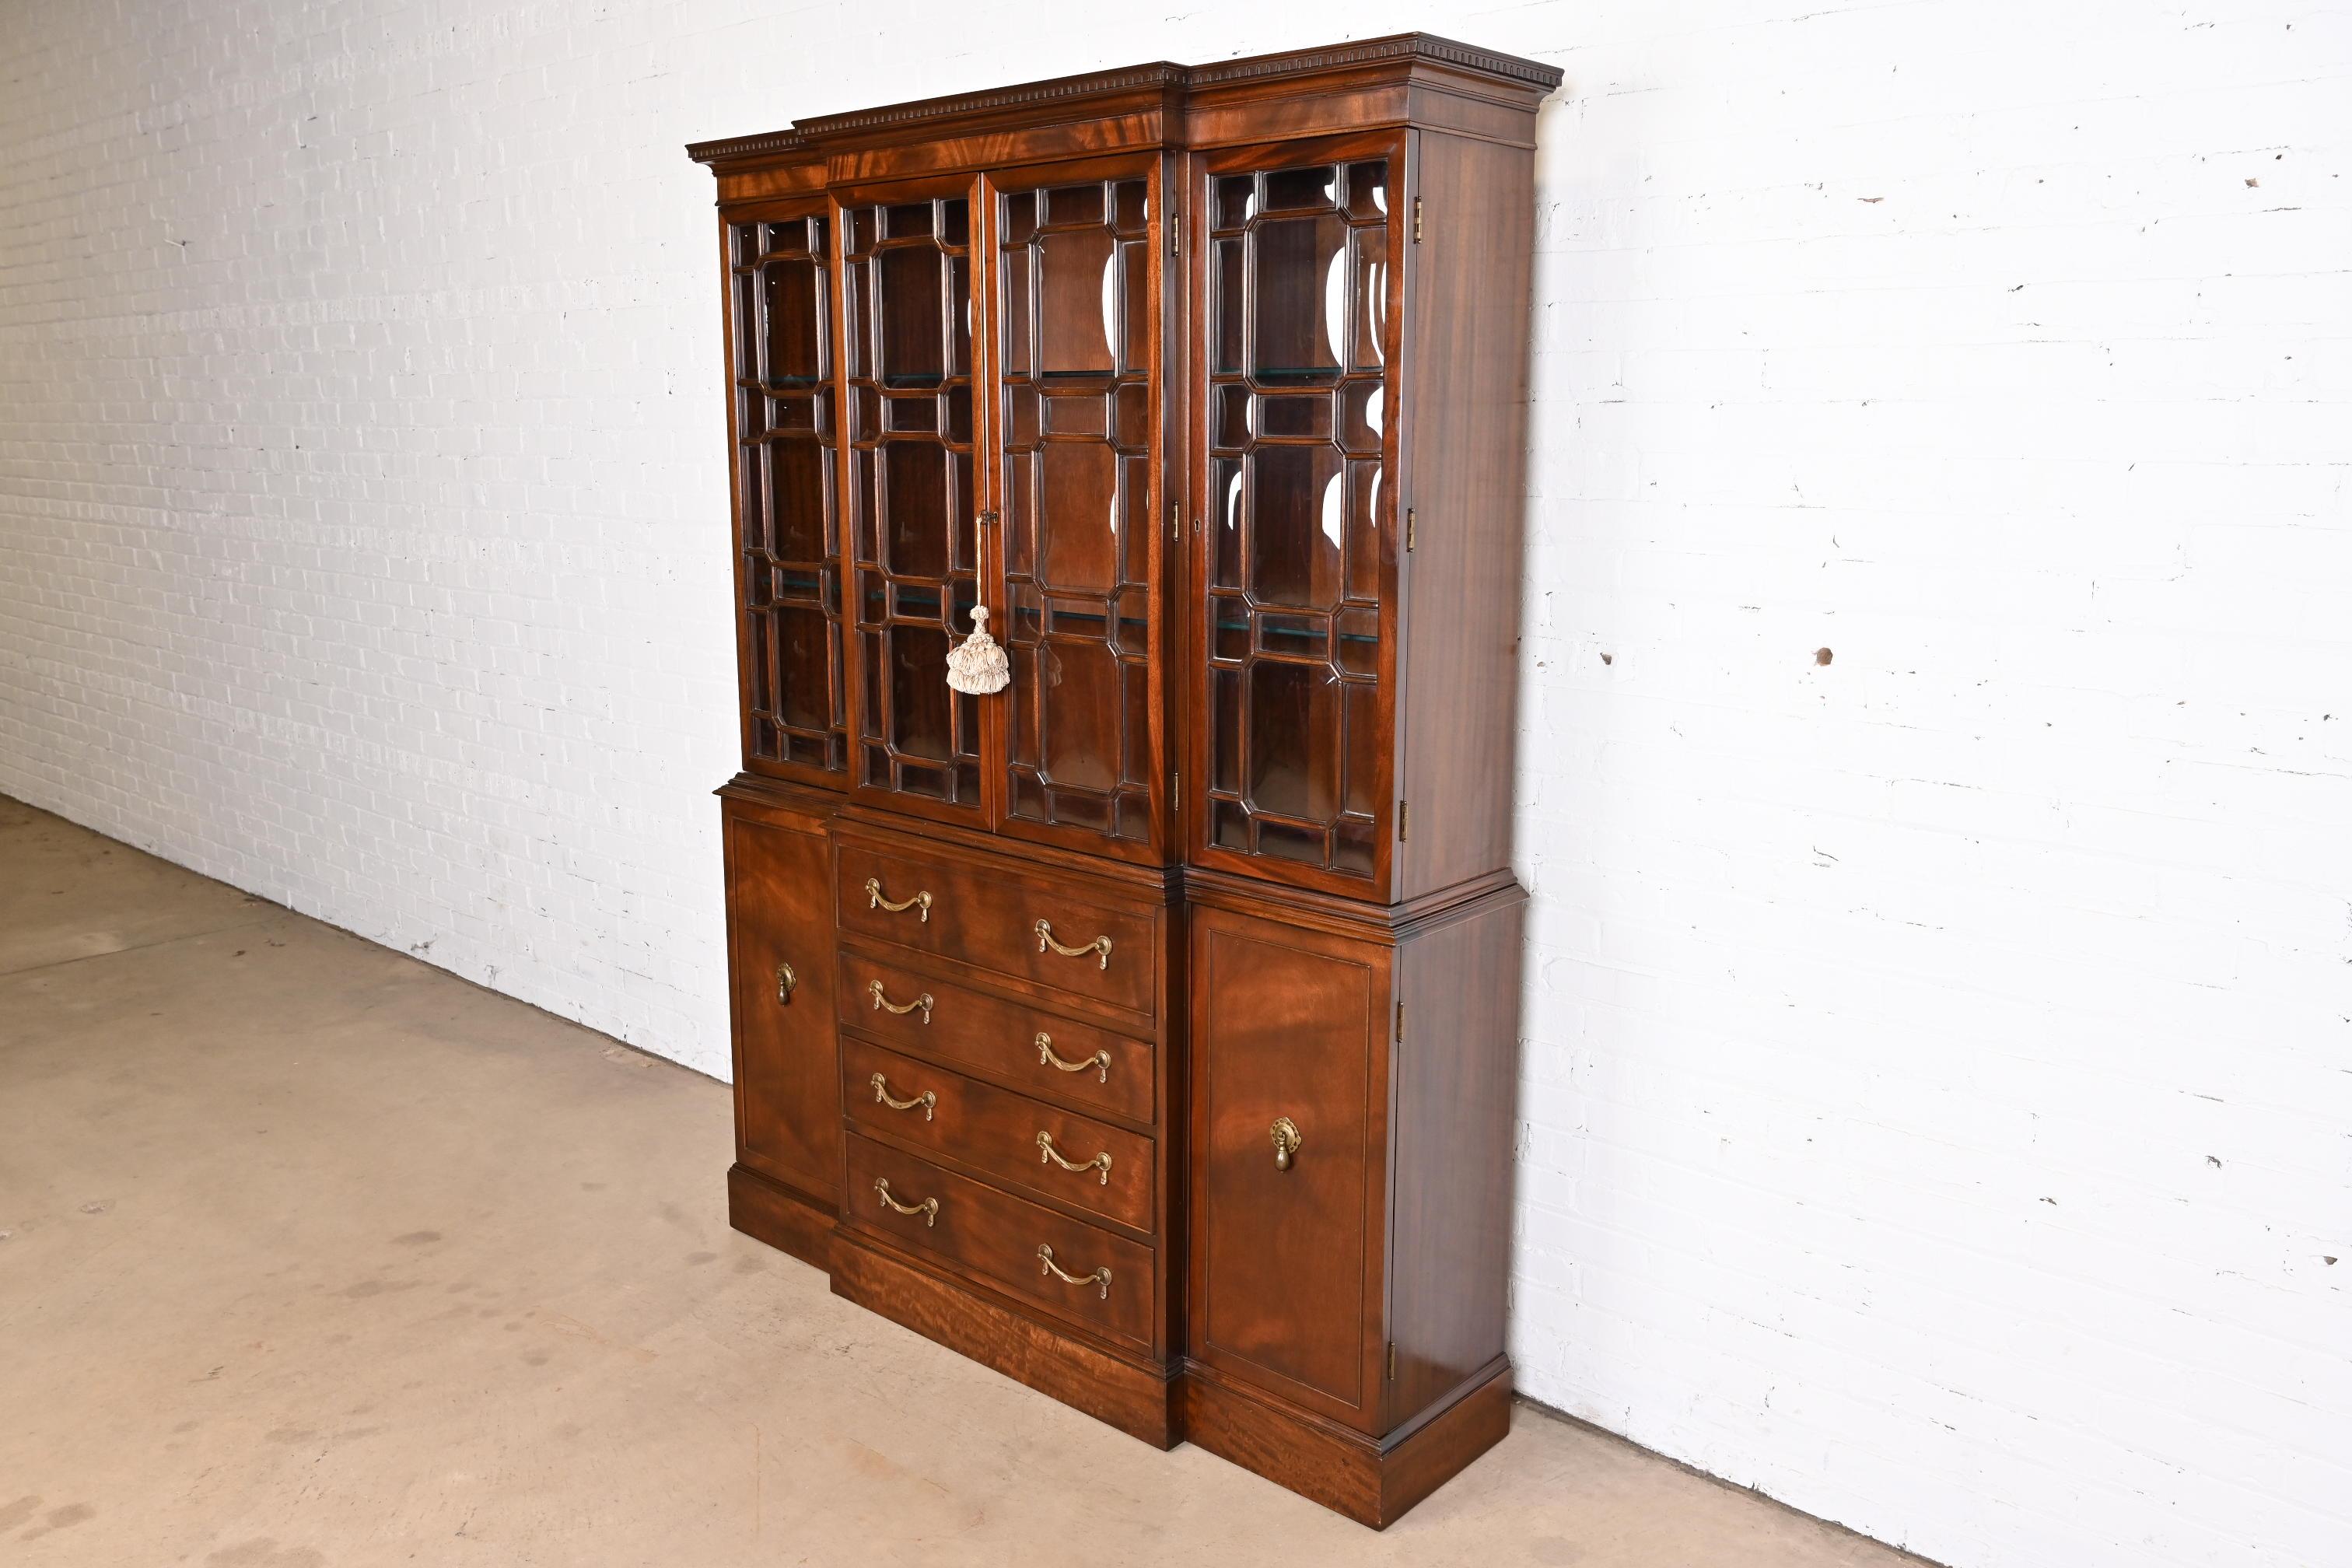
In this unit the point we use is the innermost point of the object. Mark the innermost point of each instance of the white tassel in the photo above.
(977, 664)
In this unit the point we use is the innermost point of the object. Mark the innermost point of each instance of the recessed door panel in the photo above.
(1289, 1087)
(780, 952)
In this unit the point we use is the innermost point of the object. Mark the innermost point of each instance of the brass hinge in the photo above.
(1175, 231)
(1408, 529)
(1175, 523)
(1399, 1021)
(1401, 821)
(1175, 790)
(1416, 220)
(1392, 1361)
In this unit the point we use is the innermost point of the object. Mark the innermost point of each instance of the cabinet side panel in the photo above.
(1456, 1077)
(781, 959)
(1464, 407)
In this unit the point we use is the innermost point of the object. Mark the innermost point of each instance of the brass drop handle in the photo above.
(786, 981)
(1284, 1132)
(1099, 1278)
(884, 1004)
(928, 1099)
(1099, 1061)
(928, 1208)
(1046, 1151)
(920, 902)
(1100, 947)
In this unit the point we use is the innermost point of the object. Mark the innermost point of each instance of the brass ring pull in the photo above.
(1099, 1278)
(1046, 1150)
(920, 902)
(928, 1099)
(1100, 947)
(1285, 1142)
(1099, 1061)
(884, 1004)
(786, 981)
(928, 1208)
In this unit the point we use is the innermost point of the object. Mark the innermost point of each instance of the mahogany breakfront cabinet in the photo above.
(1145, 1029)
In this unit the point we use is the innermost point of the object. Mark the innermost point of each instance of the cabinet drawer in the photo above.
(1014, 1139)
(1015, 1044)
(1009, 919)
(997, 1238)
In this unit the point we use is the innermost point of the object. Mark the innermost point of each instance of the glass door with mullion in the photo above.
(914, 480)
(1075, 297)
(1295, 611)
(780, 293)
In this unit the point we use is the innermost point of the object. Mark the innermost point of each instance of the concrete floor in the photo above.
(313, 1257)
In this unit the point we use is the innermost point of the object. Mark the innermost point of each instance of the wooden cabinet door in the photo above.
(1003, 376)
(1295, 609)
(912, 465)
(781, 298)
(780, 956)
(1074, 297)
(1289, 1037)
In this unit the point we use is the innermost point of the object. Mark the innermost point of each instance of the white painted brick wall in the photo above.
(1938, 1104)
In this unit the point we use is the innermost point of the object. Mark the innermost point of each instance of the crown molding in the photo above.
(1404, 49)
(1161, 75)
(732, 147)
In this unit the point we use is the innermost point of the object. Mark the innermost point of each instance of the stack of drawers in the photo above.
(1001, 1087)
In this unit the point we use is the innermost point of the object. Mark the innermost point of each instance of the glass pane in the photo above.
(1083, 681)
(1369, 298)
(796, 487)
(1304, 415)
(1294, 740)
(792, 693)
(1133, 199)
(1078, 436)
(1020, 217)
(1299, 547)
(1299, 298)
(1077, 528)
(1078, 302)
(1236, 200)
(1231, 303)
(908, 295)
(915, 508)
(1295, 521)
(794, 308)
(805, 636)
(918, 695)
(910, 457)
(1013, 311)
(1288, 189)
